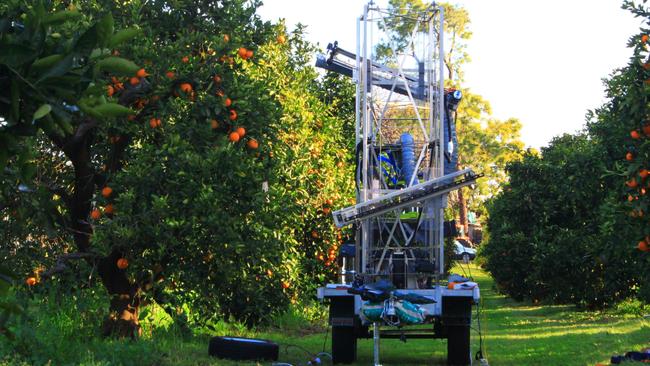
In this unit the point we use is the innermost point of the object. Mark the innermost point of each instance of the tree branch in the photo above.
(61, 263)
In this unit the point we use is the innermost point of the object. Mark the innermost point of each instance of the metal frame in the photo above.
(375, 100)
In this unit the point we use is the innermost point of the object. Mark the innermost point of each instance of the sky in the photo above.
(541, 62)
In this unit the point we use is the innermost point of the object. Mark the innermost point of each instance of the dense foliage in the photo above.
(205, 186)
(567, 225)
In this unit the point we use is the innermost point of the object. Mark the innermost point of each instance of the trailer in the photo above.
(406, 165)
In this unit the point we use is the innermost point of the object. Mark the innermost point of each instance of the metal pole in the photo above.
(365, 235)
(441, 113)
(375, 338)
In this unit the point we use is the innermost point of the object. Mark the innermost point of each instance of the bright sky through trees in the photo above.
(539, 61)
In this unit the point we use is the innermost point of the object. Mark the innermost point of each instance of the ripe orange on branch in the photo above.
(643, 246)
(109, 209)
(186, 87)
(227, 102)
(632, 183)
(635, 134)
(95, 214)
(644, 38)
(170, 74)
(629, 156)
(233, 115)
(214, 124)
(141, 73)
(241, 131)
(252, 144)
(107, 191)
(30, 281)
(242, 52)
(281, 39)
(233, 137)
(122, 263)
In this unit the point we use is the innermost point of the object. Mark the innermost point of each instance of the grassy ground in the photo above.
(514, 334)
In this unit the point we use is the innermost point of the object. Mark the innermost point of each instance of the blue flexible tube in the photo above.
(408, 158)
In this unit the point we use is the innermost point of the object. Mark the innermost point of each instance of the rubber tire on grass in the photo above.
(235, 348)
(344, 345)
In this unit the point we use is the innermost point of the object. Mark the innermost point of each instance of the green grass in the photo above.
(514, 334)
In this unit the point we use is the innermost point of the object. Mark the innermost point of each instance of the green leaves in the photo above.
(118, 66)
(112, 110)
(105, 30)
(42, 111)
(61, 17)
(123, 36)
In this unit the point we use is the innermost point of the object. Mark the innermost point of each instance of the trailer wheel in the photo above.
(243, 349)
(344, 345)
(458, 352)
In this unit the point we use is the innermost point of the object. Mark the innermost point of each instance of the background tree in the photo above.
(580, 208)
(485, 144)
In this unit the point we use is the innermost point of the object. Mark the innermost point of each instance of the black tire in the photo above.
(458, 352)
(243, 349)
(465, 258)
(344, 345)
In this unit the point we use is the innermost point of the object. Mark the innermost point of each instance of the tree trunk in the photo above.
(462, 212)
(122, 320)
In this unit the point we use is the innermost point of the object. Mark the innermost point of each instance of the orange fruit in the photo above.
(217, 79)
(644, 173)
(249, 54)
(644, 38)
(220, 93)
(233, 115)
(214, 124)
(632, 183)
(269, 272)
(326, 210)
(107, 191)
(642, 191)
(141, 73)
(252, 144)
(30, 281)
(95, 214)
(226, 38)
(630, 198)
(241, 131)
(109, 209)
(233, 137)
(170, 74)
(122, 263)
(629, 156)
(134, 80)
(227, 102)
(330, 201)
(314, 234)
(110, 91)
(285, 284)
(646, 129)
(185, 59)
(130, 117)
(242, 52)
(635, 134)
(186, 87)
(281, 39)
(153, 123)
(642, 246)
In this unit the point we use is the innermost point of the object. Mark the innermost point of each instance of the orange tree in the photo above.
(567, 225)
(624, 125)
(215, 194)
